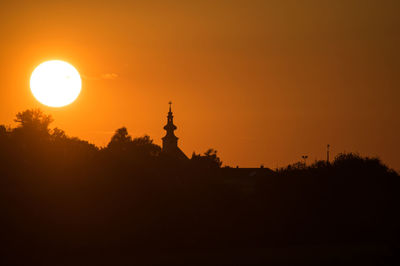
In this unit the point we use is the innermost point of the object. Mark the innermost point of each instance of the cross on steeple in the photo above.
(170, 103)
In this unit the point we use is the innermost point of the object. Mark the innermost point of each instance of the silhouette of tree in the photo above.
(4, 134)
(348, 159)
(3, 130)
(145, 146)
(353, 162)
(208, 160)
(58, 134)
(34, 119)
(120, 140)
(320, 164)
(141, 141)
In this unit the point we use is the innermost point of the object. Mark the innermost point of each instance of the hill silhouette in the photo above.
(66, 199)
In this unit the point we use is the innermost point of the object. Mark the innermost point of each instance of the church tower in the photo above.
(170, 141)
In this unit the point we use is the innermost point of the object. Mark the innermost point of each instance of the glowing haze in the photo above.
(263, 82)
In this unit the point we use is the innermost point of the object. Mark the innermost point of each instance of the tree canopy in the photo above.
(33, 119)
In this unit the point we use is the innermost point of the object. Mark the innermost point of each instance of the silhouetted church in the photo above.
(170, 141)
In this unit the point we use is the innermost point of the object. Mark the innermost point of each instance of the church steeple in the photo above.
(170, 141)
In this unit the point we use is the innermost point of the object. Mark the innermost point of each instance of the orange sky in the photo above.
(263, 82)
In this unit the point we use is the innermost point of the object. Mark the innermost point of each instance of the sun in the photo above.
(55, 83)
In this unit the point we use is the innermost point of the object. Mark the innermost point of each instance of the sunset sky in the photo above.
(262, 82)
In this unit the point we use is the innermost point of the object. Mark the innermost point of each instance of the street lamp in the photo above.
(305, 159)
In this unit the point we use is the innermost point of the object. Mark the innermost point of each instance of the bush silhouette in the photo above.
(208, 160)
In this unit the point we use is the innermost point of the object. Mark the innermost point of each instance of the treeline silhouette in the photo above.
(70, 199)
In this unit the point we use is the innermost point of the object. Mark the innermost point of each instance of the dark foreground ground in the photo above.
(64, 202)
(361, 254)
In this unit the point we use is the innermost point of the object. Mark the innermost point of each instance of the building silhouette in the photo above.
(170, 141)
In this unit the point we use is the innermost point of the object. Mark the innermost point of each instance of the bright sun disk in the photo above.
(55, 83)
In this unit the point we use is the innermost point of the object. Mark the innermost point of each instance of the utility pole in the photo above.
(327, 153)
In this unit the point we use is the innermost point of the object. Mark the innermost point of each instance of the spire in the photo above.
(170, 120)
(170, 141)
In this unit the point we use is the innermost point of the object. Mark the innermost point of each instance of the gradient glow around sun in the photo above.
(55, 83)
